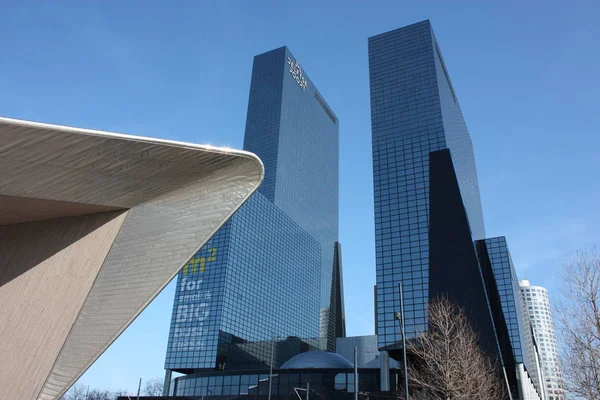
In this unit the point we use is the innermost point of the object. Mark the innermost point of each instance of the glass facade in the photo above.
(329, 384)
(510, 298)
(414, 111)
(519, 360)
(268, 271)
(197, 311)
(293, 130)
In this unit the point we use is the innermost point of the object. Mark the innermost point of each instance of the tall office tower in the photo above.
(540, 314)
(511, 319)
(424, 181)
(428, 212)
(272, 273)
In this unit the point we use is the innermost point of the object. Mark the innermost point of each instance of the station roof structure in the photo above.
(93, 225)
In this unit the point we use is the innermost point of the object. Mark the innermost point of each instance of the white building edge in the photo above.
(544, 345)
(93, 225)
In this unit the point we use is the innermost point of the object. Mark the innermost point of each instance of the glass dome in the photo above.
(317, 359)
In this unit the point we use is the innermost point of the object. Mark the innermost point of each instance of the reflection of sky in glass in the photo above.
(271, 273)
(414, 111)
(196, 309)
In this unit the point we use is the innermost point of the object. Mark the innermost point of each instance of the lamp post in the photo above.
(399, 316)
(355, 373)
(271, 363)
(271, 366)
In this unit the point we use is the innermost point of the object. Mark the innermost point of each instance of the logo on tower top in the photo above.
(296, 72)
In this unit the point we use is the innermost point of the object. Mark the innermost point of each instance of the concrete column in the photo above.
(384, 370)
(167, 384)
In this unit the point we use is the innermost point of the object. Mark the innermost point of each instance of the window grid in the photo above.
(413, 113)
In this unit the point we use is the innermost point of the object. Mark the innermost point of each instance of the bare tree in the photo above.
(76, 392)
(154, 387)
(447, 363)
(119, 393)
(97, 394)
(80, 392)
(579, 322)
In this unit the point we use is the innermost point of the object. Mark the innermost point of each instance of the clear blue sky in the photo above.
(526, 75)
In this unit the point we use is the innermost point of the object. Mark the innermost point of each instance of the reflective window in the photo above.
(234, 295)
(413, 112)
(340, 382)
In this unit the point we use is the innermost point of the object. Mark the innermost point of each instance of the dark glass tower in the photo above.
(510, 317)
(273, 270)
(429, 229)
(419, 136)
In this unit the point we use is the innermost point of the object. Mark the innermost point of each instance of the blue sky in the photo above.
(525, 73)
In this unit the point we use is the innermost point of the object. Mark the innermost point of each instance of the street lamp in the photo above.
(271, 366)
(399, 316)
(271, 363)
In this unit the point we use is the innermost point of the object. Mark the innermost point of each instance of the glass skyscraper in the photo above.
(270, 278)
(429, 230)
(414, 112)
